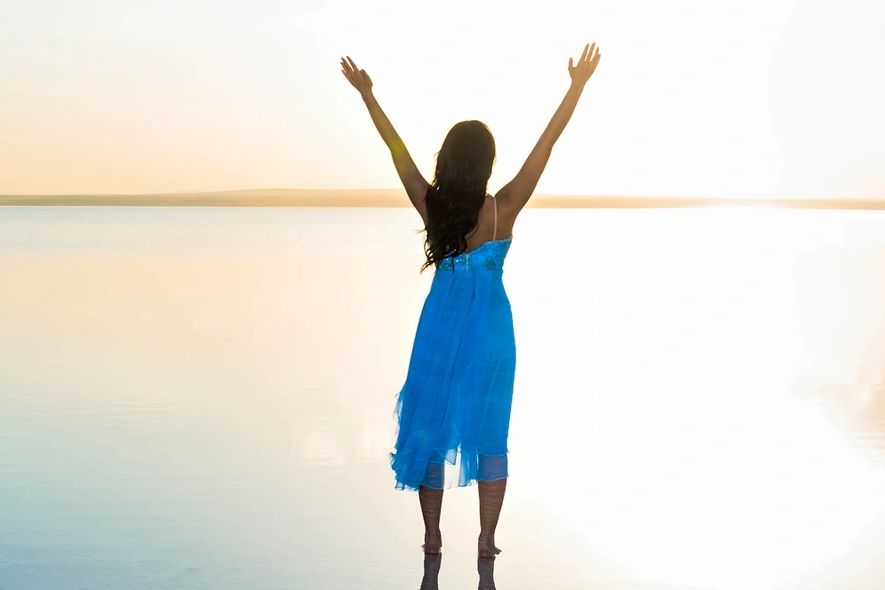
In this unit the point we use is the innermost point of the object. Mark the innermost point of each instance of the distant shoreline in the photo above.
(398, 198)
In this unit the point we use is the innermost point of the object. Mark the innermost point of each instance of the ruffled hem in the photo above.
(412, 472)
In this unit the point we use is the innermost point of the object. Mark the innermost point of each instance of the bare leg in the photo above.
(491, 497)
(431, 505)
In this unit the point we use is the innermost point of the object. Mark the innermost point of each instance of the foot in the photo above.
(486, 546)
(432, 542)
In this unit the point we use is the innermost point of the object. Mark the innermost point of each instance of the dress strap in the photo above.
(495, 204)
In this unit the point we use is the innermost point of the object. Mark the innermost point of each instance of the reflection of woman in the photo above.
(457, 396)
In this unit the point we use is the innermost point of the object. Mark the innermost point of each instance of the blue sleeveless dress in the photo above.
(455, 403)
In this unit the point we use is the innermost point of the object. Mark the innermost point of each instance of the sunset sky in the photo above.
(756, 98)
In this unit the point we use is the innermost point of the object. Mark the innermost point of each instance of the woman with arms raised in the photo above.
(458, 391)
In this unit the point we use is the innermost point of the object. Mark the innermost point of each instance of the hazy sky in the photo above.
(699, 98)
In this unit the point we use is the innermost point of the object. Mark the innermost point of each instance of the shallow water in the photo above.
(202, 397)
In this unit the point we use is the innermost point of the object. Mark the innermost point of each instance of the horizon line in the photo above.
(387, 197)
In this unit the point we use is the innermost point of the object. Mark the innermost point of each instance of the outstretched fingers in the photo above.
(581, 70)
(353, 74)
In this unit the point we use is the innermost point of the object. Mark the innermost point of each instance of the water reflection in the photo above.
(485, 567)
(176, 382)
(432, 562)
(856, 409)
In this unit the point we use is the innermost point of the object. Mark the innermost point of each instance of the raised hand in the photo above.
(581, 72)
(415, 184)
(359, 78)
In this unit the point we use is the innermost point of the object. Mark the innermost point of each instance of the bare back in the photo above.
(495, 222)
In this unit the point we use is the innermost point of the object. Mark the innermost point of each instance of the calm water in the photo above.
(201, 398)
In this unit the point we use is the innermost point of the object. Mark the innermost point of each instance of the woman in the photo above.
(457, 395)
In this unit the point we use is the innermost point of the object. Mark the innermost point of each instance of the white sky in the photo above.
(694, 98)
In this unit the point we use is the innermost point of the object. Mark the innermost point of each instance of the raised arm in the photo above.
(415, 184)
(517, 192)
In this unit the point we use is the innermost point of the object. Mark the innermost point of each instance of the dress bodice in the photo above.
(487, 256)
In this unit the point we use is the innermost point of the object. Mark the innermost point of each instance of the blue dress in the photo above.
(455, 403)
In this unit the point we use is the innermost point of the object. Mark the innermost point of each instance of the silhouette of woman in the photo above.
(457, 395)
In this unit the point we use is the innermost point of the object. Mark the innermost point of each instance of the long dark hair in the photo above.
(458, 191)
